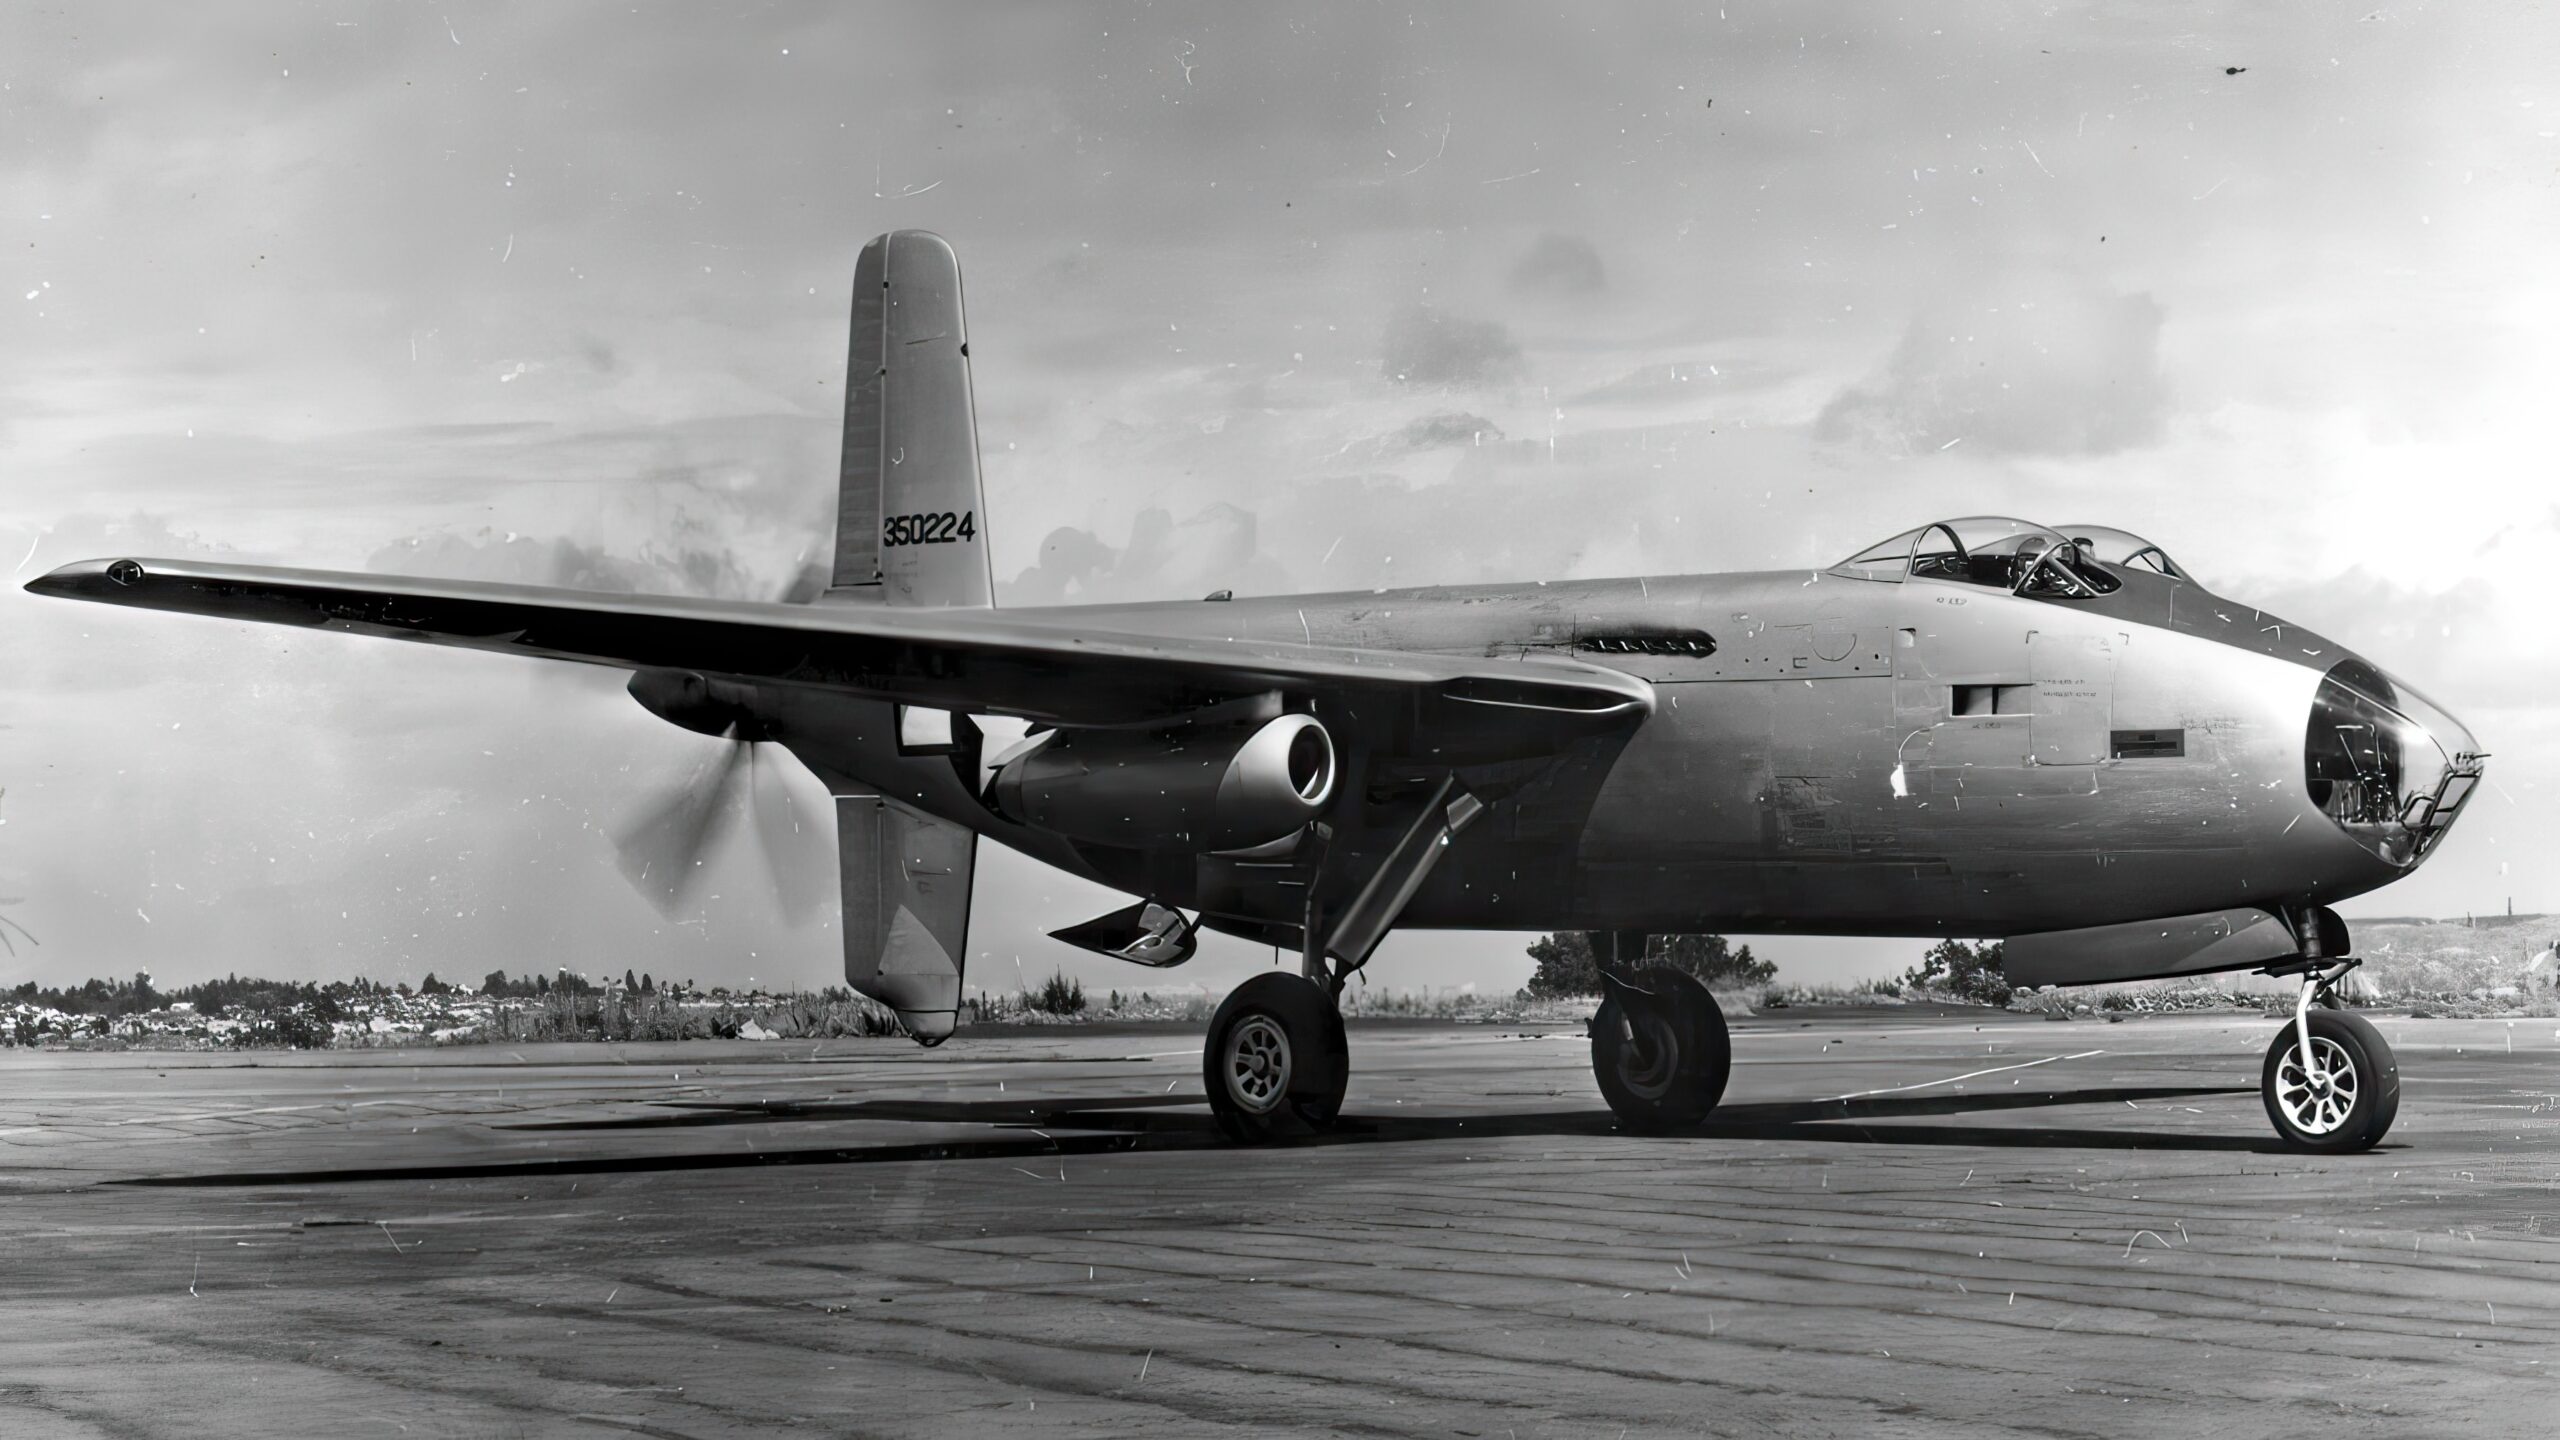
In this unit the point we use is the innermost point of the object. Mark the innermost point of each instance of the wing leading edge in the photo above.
(993, 661)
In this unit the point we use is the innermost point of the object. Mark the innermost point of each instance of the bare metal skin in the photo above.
(1759, 794)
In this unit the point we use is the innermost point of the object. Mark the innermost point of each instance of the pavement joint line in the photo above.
(1968, 1075)
(758, 1082)
(261, 1110)
(287, 1227)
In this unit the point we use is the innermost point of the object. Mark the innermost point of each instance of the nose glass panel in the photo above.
(2389, 767)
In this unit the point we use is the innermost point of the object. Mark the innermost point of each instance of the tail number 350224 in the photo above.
(945, 528)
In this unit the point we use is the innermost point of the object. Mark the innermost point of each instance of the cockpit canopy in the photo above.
(2108, 545)
(2016, 555)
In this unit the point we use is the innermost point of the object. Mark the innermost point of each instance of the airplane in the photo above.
(1981, 727)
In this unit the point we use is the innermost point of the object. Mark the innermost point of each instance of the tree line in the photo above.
(1569, 964)
(327, 1002)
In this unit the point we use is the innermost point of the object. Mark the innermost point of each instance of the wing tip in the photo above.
(89, 579)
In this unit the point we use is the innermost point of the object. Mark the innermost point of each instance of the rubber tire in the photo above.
(1319, 1059)
(1660, 1050)
(2377, 1072)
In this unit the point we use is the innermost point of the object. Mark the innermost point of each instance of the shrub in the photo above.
(830, 1014)
(296, 1028)
(1569, 961)
(1968, 972)
(1059, 995)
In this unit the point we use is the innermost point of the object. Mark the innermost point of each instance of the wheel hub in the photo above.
(1649, 1056)
(2317, 1106)
(1257, 1063)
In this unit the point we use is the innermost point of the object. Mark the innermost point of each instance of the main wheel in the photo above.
(1276, 1063)
(1660, 1050)
(2352, 1105)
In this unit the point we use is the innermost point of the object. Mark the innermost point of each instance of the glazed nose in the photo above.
(2385, 764)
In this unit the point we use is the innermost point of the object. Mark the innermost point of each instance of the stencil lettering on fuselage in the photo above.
(2074, 683)
(1810, 818)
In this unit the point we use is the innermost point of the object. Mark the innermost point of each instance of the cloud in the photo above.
(1560, 265)
(510, 558)
(2460, 642)
(1213, 549)
(1454, 427)
(1426, 347)
(1680, 382)
(1416, 439)
(2069, 373)
(1068, 558)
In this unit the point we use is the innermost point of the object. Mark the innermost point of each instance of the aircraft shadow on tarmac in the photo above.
(1123, 1124)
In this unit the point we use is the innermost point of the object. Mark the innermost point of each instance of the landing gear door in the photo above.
(2074, 678)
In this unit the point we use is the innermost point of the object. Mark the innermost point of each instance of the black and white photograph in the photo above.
(1566, 720)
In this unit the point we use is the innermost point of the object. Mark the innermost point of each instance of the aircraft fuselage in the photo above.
(1827, 754)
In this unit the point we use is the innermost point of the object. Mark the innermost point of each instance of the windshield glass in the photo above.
(1884, 560)
(2123, 548)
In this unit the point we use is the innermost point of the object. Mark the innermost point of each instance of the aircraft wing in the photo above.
(1033, 664)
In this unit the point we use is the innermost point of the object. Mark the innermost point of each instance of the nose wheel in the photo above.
(1660, 1050)
(1276, 1064)
(2330, 1082)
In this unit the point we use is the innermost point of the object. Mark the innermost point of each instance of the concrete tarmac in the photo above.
(2011, 1227)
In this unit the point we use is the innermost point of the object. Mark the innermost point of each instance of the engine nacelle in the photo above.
(704, 706)
(1220, 788)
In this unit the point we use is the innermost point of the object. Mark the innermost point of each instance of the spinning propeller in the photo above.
(677, 837)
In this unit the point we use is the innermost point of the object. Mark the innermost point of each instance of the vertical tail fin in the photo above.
(910, 509)
(911, 529)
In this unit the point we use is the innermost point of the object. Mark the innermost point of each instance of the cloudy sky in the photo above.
(1272, 298)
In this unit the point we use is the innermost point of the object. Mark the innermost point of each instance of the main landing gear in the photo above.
(1276, 1063)
(1659, 1047)
(2330, 1082)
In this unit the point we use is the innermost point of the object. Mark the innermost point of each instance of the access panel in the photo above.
(2074, 688)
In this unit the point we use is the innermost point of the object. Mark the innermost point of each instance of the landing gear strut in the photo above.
(1276, 1064)
(2330, 1082)
(1659, 1047)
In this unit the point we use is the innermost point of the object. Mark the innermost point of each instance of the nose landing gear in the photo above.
(2330, 1082)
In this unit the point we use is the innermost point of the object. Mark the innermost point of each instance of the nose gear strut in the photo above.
(2330, 1082)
